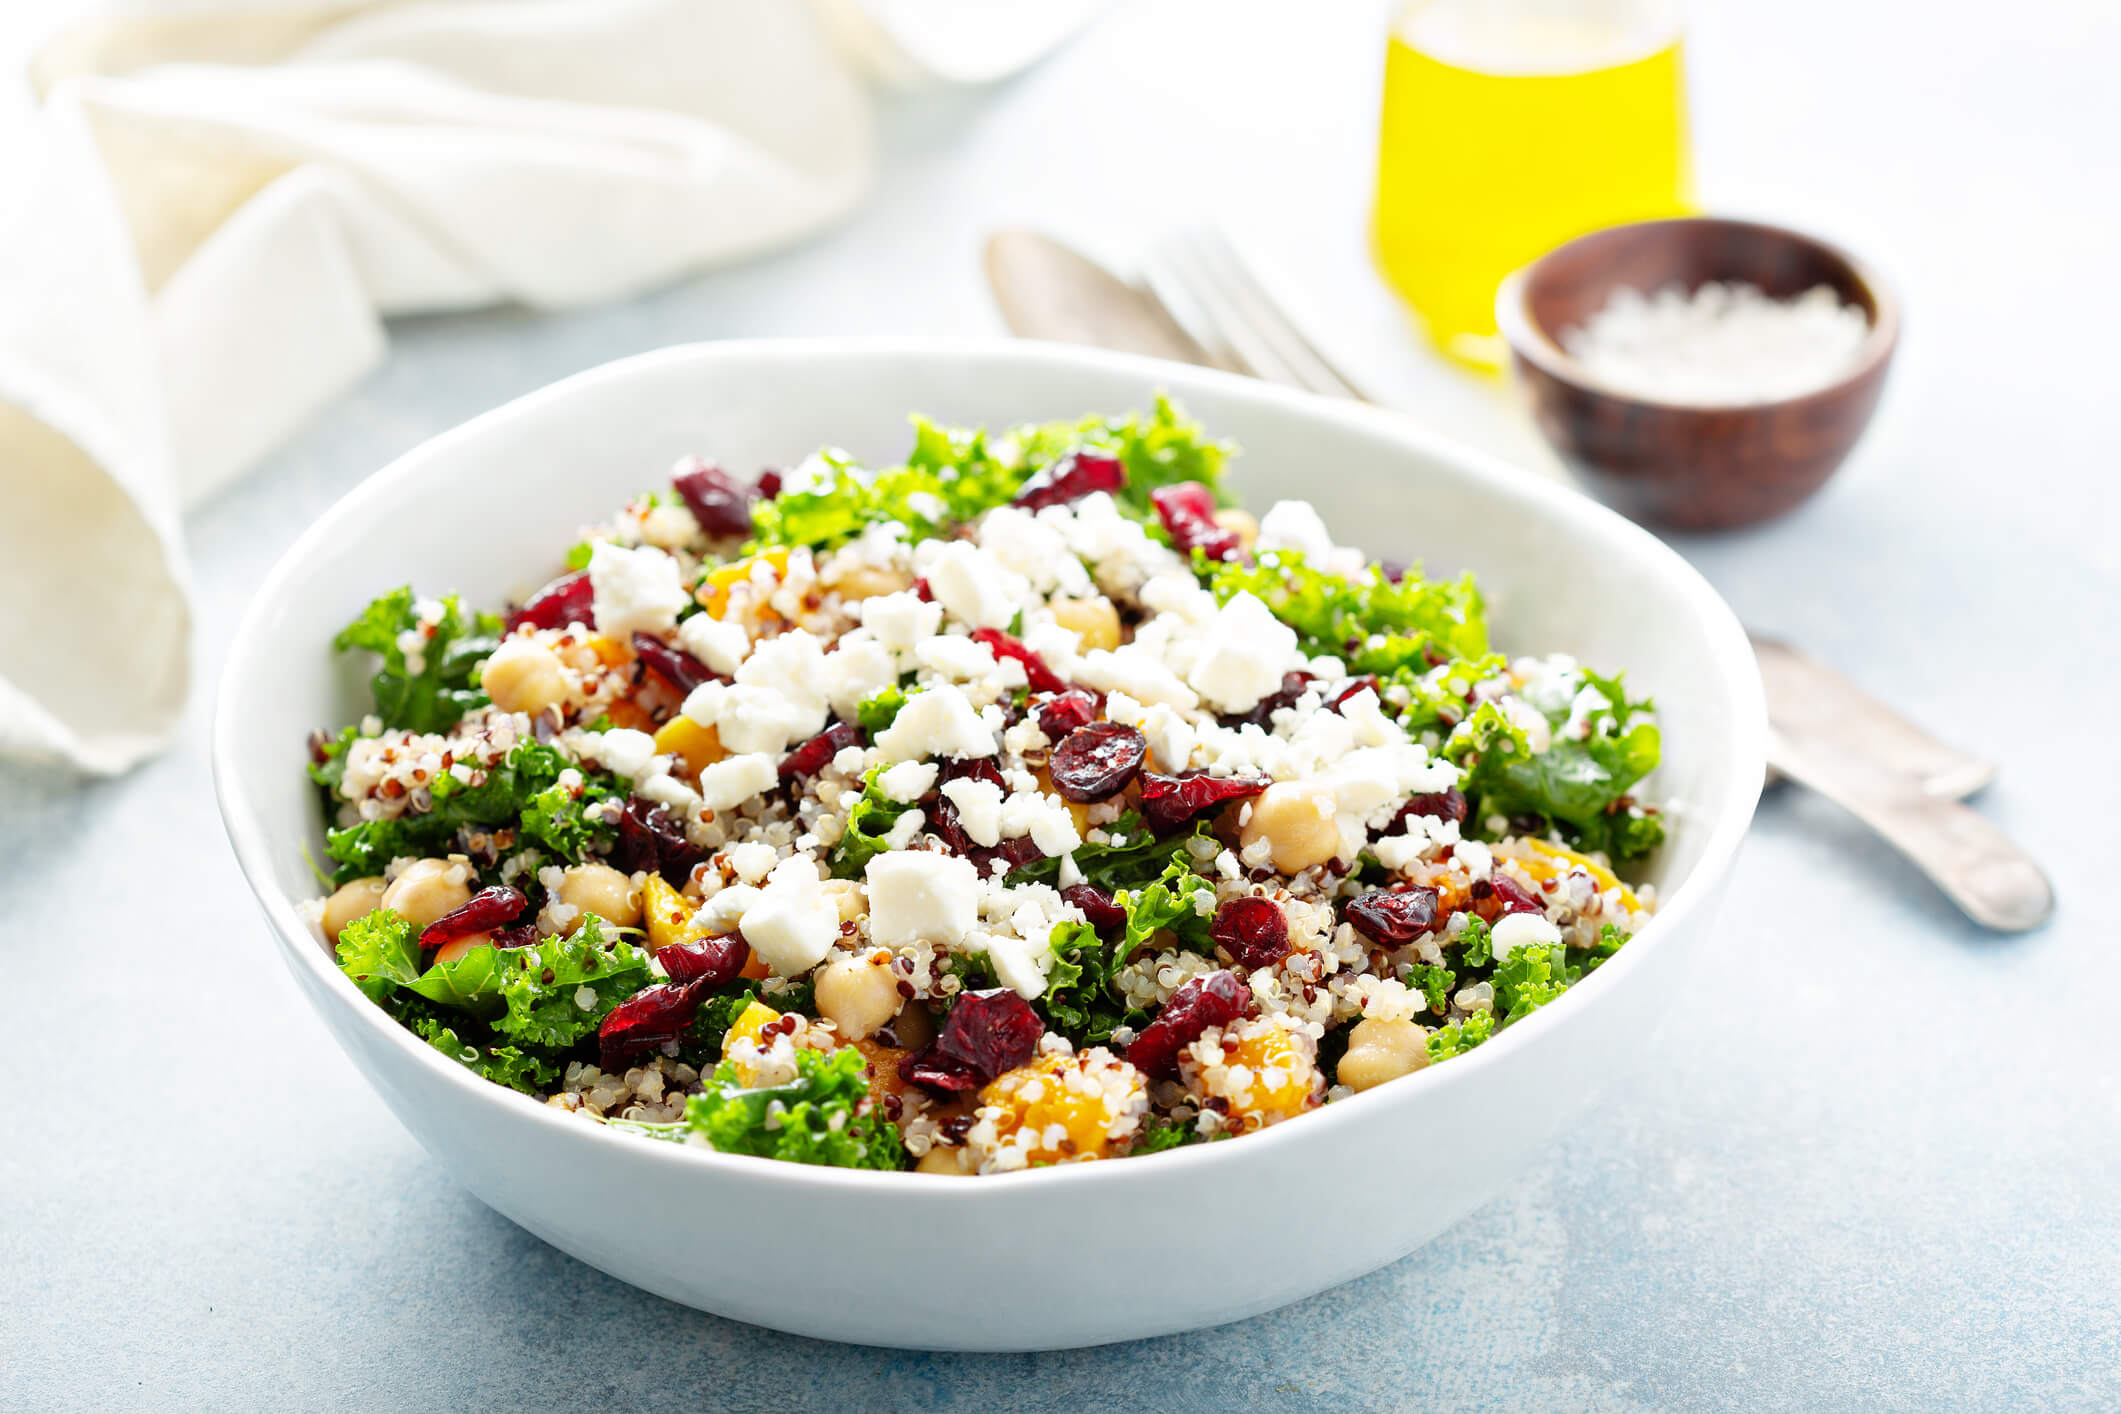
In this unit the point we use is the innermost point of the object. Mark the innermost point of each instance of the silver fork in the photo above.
(1206, 287)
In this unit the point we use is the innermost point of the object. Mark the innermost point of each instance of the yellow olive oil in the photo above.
(1511, 126)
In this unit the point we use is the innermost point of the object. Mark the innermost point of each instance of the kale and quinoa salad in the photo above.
(1023, 803)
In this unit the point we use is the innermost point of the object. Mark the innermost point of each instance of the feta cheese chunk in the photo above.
(1244, 656)
(979, 808)
(795, 922)
(901, 620)
(1522, 930)
(972, 586)
(624, 751)
(921, 896)
(733, 780)
(634, 590)
(937, 722)
(721, 644)
(753, 862)
(909, 780)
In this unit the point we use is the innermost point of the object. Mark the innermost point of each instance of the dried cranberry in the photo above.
(1262, 713)
(1105, 916)
(567, 600)
(985, 1034)
(769, 484)
(673, 665)
(1252, 930)
(1096, 761)
(1394, 916)
(1393, 570)
(716, 500)
(1169, 802)
(1187, 510)
(931, 1069)
(483, 912)
(1353, 686)
(1510, 895)
(815, 754)
(1071, 478)
(646, 1020)
(1063, 714)
(1036, 673)
(1448, 804)
(717, 961)
(651, 838)
(1213, 999)
(923, 591)
(523, 935)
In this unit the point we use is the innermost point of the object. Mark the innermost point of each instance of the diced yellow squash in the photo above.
(696, 746)
(1068, 1091)
(755, 1017)
(1551, 861)
(667, 915)
(714, 591)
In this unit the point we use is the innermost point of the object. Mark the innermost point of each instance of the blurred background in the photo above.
(1810, 1199)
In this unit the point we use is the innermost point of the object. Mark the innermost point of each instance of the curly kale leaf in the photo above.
(446, 685)
(1080, 1001)
(557, 992)
(522, 787)
(1129, 857)
(1580, 784)
(1368, 620)
(874, 714)
(823, 1116)
(503, 1065)
(1180, 902)
(868, 823)
(1529, 978)
(1460, 1036)
(1161, 448)
(380, 951)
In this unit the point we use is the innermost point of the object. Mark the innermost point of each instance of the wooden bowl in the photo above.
(1689, 466)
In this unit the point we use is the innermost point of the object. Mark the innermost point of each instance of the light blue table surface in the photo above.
(1874, 1163)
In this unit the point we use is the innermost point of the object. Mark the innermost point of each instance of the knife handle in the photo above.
(1993, 881)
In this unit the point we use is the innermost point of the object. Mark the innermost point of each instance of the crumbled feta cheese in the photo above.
(973, 587)
(1024, 544)
(634, 590)
(979, 808)
(733, 780)
(921, 896)
(725, 910)
(795, 922)
(1244, 655)
(1522, 930)
(721, 644)
(904, 830)
(667, 790)
(1046, 819)
(909, 780)
(1136, 671)
(753, 861)
(750, 718)
(624, 751)
(857, 669)
(901, 620)
(937, 722)
(957, 657)
(1295, 525)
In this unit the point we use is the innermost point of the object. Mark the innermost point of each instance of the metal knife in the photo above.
(1825, 732)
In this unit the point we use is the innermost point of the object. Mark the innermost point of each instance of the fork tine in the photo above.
(1270, 322)
(1176, 277)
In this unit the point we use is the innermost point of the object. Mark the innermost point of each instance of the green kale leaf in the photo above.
(868, 823)
(823, 1116)
(1372, 623)
(530, 772)
(542, 987)
(380, 951)
(504, 1065)
(446, 685)
(1460, 1036)
(876, 713)
(1529, 978)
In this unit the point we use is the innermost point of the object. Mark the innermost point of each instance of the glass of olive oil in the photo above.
(1511, 126)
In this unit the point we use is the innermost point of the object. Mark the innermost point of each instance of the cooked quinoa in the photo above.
(1023, 803)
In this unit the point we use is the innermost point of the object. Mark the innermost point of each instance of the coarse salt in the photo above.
(1719, 345)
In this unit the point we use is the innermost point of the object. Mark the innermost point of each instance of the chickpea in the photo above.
(428, 889)
(1296, 820)
(602, 890)
(848, 897)
(1382, 1050)
(351, 901)
(868, 581)
(1095, 619)
(943, 1161)
(856, 995)
(451, 951)
(1241, 522)
(522, 676)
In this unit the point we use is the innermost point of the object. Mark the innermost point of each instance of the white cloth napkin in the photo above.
(227, 202)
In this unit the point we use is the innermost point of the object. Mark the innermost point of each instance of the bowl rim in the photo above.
(1731, 661)
(1529, 340)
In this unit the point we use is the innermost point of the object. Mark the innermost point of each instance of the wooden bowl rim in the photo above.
(1532, 343)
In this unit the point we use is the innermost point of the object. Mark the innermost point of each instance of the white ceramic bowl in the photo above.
(1058, 1257)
